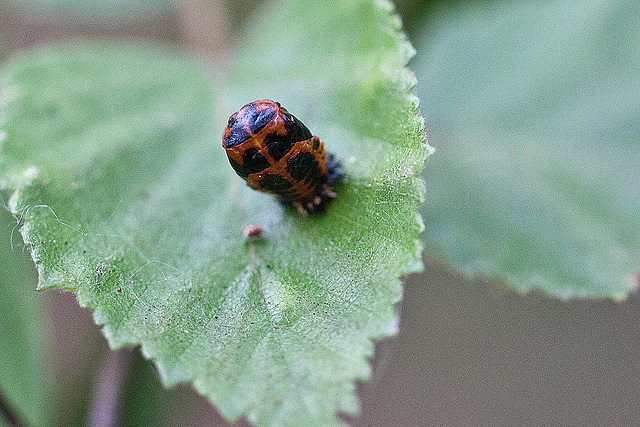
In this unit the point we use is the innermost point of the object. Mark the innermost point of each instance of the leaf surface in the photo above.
(535, 114)
(127, 198)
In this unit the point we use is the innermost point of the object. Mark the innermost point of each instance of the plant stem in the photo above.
(106, 407)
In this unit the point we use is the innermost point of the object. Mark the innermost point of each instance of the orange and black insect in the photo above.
(276, 153)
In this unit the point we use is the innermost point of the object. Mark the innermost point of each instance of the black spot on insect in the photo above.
(240, 169)
(257, 118)
(315, 178)
(254, 161)
(275, 184)
(296, 130)
(278, 145)
(238, 133)
(303, 166)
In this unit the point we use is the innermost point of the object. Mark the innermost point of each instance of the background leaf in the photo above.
(25, 377)
(535, 114)
(127, 198)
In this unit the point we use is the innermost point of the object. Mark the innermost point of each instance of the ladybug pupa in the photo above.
(276, 153)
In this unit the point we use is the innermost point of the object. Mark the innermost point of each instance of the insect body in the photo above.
(276, 153)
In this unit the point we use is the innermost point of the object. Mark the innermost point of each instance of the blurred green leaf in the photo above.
(114, 157)
(115, 11)
(535, 112)
(25, 377)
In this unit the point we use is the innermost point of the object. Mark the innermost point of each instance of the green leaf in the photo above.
(25, 378)
(114, 157)
(534, 110)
